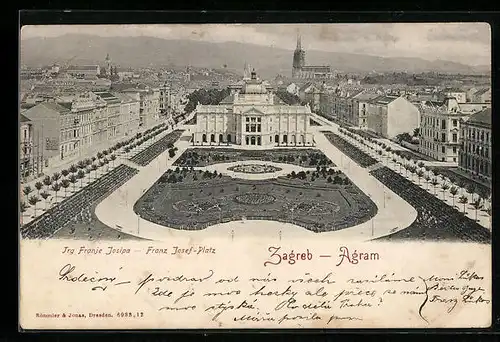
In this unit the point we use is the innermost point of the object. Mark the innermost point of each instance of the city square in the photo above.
(255, 156)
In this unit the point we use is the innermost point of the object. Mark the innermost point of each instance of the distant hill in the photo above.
(268, 61)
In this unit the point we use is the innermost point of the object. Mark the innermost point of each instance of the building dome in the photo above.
(254, 86)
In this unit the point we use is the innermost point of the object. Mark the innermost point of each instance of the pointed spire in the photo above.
(299, 41)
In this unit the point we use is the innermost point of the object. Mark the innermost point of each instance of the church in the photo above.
(252, 115)
(301, 70)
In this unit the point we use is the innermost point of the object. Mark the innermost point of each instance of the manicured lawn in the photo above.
(201, 199)
(306, 157)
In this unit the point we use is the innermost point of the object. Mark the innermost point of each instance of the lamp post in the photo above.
(372, 227)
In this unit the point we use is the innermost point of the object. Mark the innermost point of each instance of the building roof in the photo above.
(228, 100)
(482, 117)
(124, 97)
(107, 97)
(66, 105)
(24, 118)
(365, 96)
(55, 106)
(383, 99)
(481, 91)
(83, 67)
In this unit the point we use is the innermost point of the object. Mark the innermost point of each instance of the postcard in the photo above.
(245, 176)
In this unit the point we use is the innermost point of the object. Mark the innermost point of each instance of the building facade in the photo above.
(48, 121)
(129, 114)
(149, 104)
(440, 128)
(113, 112)
(389, 116)
(475, 145)
(26, 146)
(252, 116)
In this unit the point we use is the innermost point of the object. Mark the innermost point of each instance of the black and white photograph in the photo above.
(289, 173)
(371, 131)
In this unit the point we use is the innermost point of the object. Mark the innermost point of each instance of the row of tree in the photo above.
(205, 97)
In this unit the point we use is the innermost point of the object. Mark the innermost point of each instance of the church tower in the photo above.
(299, 58)
(108, 65)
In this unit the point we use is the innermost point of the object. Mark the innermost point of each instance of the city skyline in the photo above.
(466, 43)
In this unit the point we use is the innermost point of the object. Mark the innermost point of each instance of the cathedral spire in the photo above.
(299, 41)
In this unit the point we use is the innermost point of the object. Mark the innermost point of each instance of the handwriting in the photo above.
(291, 298)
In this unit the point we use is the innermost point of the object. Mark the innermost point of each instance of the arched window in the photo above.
(221, 138)
(229, 138)
(277, 139)
(204, 138)
(212, 137)
(247, 140)
(302, 139)
(285, 139)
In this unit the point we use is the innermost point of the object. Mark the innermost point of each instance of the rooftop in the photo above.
(482, 117)
(24, 119)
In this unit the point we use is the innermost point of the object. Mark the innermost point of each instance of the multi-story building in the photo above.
(475, 145)
(360, 106)
(389, 116)
(459, 94)
(129, 114)
(84, 71)
(165, 100)
(48, 120)
(149, 104)
(311, 94)
(440, 127)
(252, 116)
(26, 146)
(482, 96)
(113, 108)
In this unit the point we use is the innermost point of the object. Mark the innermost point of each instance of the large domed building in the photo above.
(253, 116)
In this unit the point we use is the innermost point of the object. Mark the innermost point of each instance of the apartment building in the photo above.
(440, 127)
(475, 145)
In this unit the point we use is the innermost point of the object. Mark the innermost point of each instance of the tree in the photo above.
(477, 205)
(100, 155)
(113, 158)
(73, 179)
(88, 171)
(33, 200)
(45, 195)
(81, 164)
(416, 132)
(27, 190)
(420, 174)
(421, 164)
(73, 169)
(56, 176)
(427, 180)
(445, 187)
(81, 176)
(453, 192)
(94, 167)
(47, 181)
(23, 207)
(470, 190)
(65, 173)
(38, 186)
(56, 187)
(434, 184)
(463, 200)
(65, 184)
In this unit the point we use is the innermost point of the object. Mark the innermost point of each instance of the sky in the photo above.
(467, 43)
